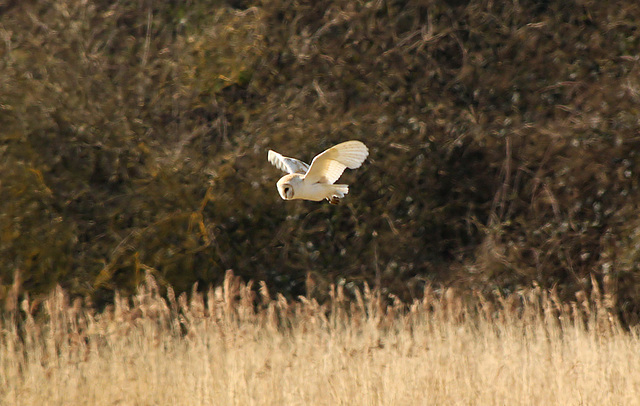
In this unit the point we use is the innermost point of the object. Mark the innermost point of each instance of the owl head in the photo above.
(286, 186)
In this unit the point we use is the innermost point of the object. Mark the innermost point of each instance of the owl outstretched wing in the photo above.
(328, 166)
(289, 165)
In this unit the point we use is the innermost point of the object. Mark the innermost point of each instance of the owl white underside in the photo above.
(311, 191)
(316, 182)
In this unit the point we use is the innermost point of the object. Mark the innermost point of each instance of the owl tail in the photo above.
(338, 193)
(340, 190)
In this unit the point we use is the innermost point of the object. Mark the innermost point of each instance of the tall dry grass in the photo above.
(237, 345)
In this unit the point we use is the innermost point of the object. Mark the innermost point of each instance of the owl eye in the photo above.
(288, 191)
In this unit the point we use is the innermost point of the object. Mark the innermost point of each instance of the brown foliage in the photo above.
(503, 143)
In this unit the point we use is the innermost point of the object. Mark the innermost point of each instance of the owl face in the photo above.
(286, 186)
(286, 191)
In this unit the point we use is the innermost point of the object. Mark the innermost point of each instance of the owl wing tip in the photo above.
(276, 160)
(354, 153)
(286, 164)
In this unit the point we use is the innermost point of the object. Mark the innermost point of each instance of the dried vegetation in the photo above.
(230, 345)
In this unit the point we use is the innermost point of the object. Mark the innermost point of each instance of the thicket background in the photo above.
(503, 142)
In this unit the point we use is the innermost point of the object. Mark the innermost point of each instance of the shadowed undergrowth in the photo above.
(503, 138)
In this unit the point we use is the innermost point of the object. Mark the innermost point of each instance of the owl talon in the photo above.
(334, 200)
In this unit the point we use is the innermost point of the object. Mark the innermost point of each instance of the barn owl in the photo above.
(316, 182)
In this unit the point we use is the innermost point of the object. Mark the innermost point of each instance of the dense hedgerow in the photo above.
(503, 143)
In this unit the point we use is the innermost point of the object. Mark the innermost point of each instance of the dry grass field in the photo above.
(236, 345)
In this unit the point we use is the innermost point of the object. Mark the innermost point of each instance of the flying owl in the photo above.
(316, 182)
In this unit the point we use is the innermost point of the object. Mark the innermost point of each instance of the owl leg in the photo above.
(334, 200)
